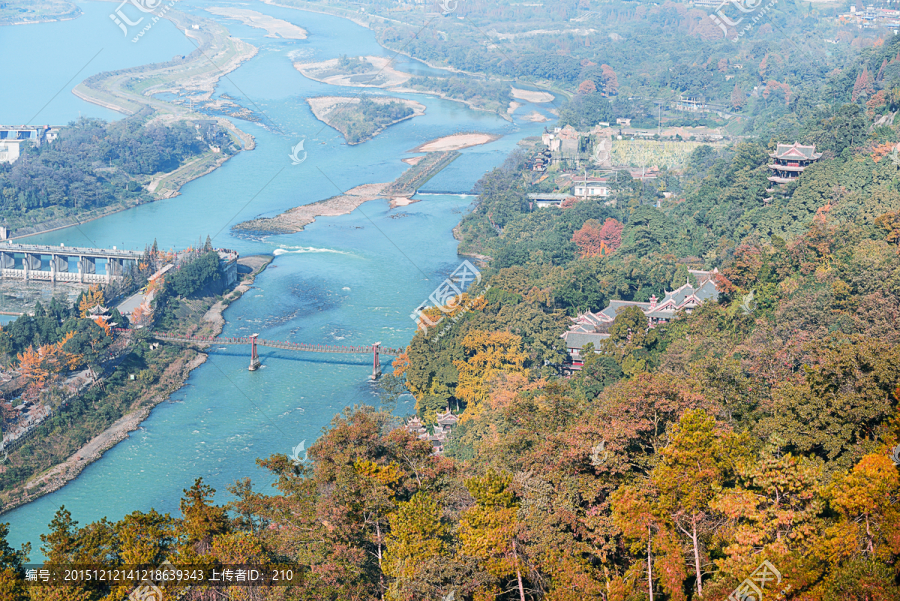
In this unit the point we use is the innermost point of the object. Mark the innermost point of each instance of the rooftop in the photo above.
(796, 151)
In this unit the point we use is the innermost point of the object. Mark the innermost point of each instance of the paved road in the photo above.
(131, 303)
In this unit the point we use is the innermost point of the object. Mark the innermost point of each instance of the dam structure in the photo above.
(32, 262)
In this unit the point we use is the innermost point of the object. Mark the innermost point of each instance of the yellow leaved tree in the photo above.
(48, 360)
(489, 354)
(92, 298)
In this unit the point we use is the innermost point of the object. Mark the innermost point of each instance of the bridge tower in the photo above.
(254, 356)
(376, 365)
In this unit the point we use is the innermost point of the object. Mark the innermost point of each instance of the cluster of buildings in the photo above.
(869, 17)
(443, 426)
(12, 139)
(593, 328)
(580, 187)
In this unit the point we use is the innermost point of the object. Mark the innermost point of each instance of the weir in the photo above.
(33, 256)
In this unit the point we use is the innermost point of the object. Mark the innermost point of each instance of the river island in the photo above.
(361, 119)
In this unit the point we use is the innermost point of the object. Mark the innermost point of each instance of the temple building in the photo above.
(442, 428)
(789, 161)
(594, 327)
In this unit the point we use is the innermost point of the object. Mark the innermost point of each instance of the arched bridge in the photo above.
(254, 341)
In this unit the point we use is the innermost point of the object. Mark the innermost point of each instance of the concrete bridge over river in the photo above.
(63, 263)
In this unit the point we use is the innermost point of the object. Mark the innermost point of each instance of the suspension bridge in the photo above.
(254, 341)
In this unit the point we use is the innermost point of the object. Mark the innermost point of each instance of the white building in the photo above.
(12, 139)
(590, 186)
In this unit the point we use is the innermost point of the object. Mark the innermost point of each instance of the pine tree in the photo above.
(201, 519)
(489, 530)
(415, 542)
(692, 470)
(60, 545)
(12, 568)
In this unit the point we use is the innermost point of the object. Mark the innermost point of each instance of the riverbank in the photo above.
(162, 186)
(172, 377)
(54, 478)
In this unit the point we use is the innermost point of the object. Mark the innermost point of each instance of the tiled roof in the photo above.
(680, 295)
(446, 419)
(591, 327)
(615, 306)
(548, 196)
(577, 340)
(796, 151)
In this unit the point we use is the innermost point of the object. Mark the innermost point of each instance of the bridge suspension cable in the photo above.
(254, 341)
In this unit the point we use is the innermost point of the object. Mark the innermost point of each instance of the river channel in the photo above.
(349, 280)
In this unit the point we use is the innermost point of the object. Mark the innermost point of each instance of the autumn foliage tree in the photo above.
(863, 86)
(594, 240)
(587, 87)
(610, 80)
(48, 360)
(488, 354)
(416, 545)
(488, 532)
(90, 299)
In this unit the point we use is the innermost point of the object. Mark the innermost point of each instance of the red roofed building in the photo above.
(789, 161)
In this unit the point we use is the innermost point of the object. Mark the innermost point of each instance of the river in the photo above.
(348, 280)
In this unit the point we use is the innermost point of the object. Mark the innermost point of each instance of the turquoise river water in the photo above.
(351, 280)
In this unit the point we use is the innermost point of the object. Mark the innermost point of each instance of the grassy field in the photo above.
(652, 153)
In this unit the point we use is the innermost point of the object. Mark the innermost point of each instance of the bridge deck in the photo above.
(288, 346)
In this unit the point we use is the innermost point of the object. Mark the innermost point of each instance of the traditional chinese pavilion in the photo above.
(789, 161)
